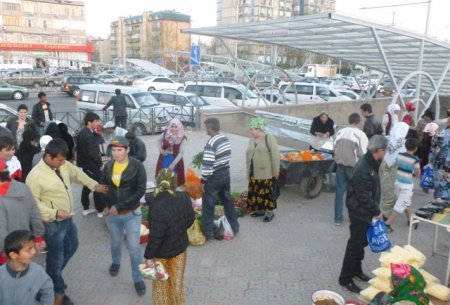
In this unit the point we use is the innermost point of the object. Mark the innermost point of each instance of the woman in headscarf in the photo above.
(390, 118)
(440, 158)
(412, 132)
(429, 132)
(65, 135)
(388, 168)
(263, 166)
(322, 128)
(27, 149)
(170, 215)
(426, 118)
(172, 145)
(53, 130)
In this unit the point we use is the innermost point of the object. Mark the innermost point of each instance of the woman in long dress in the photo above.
(440, 158)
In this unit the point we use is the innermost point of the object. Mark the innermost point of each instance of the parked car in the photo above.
(71, 85)
(313, 92)
(8, 91)
(186, 104)
(108, 78)
(57, 77)
(6, 113)
(26, 78)
(157, 83)
(351, 94)
(145, 114)
(335, 84)
(226, 95)
(410, 93)
(388, 88)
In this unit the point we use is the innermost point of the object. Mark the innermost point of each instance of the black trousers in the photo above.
(99, 199)
(354, 253)
(121, 121)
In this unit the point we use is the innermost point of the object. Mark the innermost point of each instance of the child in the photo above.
(21, 279)
(407, 166)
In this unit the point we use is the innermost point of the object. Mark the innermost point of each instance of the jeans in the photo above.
(343, 176)
(62, 243)
(218, 185)
(121, 121)
(131, 223)
(354, 253)
(99, 199)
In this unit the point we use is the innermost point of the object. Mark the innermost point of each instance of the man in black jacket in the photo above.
(363, 199)
(137, 147)
(119, 109)
(127, 181)
(42, 113)
(90, 160)
(371, 125)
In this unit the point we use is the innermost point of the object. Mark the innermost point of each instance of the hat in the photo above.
(109, 124)
(44, 141)
(408, 119)
(410, 106)
(258, 123)
(120, 142)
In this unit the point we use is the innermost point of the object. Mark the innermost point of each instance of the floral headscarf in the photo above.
(431, 128)
(166, 181)
(396, 143)
(169, 136)
(258, 123)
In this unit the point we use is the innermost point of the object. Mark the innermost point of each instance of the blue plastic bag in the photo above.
(427, 180)
(377, 237)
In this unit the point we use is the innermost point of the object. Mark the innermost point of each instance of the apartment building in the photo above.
(245, 11)
(151, 36)
(53, 30)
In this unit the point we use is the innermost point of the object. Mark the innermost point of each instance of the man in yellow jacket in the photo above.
(50, 183)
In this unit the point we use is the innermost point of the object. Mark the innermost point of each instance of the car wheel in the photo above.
(139, 130)
(36, 85)
(50, 84)
(180, 89)
(76, 92)
(151, 88)
(17, 95)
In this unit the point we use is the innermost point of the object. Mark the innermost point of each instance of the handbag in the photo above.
(155, 271)
(427, 180)
(195, 234)
(377, 237)
(275, 190)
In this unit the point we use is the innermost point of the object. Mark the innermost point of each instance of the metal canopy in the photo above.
(384, 48)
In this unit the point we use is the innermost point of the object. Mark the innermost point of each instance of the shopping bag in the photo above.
(427, 180)
(155, 271)
(195, 234)
(167, 160)
(193, 185)
(275, 190)
(377, 237)
(228, 233)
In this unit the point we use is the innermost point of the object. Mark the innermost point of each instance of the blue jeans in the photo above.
(131, 223)
(218, 185)
(62, 243)
(343, 176)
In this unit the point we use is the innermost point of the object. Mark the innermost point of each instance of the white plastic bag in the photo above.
(228, 233)
(196, 203)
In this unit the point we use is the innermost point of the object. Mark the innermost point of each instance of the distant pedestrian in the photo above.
(322, 128)
(19, 124)
(440, 159)
(119, 109)
(42, 114)
(170, 215)
(27, 150)
(350, 145)
(127, 181)
(263, 165)
(21, 280)
(390, 118)
(371, 125)
(363, 199)
(90, 160)
(412, 132)
(428, 134)
(7, 151)
(110, 131)
(216, 178)
(43, 141)
(172, 145)
(426, 118)
(137, 147)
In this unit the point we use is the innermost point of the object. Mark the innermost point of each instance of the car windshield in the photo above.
(201, 101)
(145, 99)
(246, 92)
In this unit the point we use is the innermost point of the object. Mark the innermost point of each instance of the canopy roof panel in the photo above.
(348, 39)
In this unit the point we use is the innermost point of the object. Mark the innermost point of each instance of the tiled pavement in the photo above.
(279, 263)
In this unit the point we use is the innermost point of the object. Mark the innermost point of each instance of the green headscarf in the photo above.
(166, 181)
(258, 123)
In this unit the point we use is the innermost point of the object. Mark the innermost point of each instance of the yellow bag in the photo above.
(195, 234)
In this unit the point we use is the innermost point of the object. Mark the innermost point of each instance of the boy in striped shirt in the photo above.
(407, 166)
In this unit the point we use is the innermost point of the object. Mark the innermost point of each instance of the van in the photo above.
(226, 95)
(145, 114)
(26, 78)
(57, 77)
(312, 92)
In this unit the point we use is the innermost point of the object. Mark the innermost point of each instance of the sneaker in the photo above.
(338, 223)
(114, 269)
(89, 211)
(67, 301)
(100, 215)
(140, 288)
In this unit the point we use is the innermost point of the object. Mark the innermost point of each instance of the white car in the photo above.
(350, 94)
(108, 78)
(157, 83)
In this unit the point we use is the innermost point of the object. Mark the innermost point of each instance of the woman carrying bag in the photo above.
(263, 169)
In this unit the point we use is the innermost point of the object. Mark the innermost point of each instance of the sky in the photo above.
(203, 13)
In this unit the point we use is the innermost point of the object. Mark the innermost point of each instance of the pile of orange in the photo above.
(301, 156)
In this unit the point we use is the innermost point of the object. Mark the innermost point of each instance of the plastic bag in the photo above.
(377, 237)
(193, 185)
(196, 203)
(427, 180)
(155, 271)
(195, 234)
(228, 232)
(219, 230)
